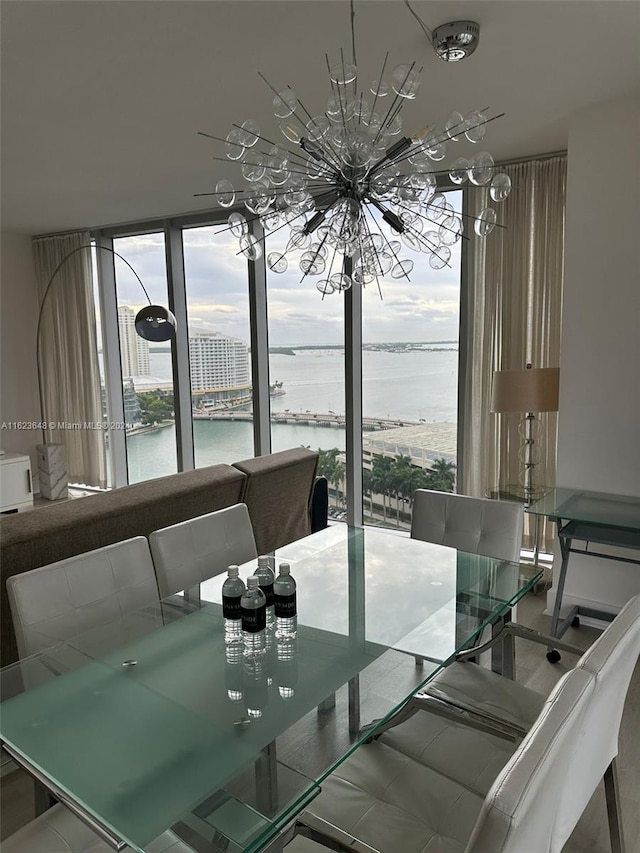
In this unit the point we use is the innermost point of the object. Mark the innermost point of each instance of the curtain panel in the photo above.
(69, 355)
(513, 300)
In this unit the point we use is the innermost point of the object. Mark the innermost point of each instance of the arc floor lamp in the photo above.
(152, 322)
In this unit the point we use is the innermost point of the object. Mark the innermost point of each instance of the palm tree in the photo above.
(442, 475)
(401, 479)
(329, 467)
(381, 479)
(338, 478)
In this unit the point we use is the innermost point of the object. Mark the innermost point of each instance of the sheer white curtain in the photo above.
(69, 354)
(513, 300)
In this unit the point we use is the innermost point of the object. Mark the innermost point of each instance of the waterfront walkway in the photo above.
(307, 418)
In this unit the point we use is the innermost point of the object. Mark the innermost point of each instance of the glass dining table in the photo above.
(151, 722)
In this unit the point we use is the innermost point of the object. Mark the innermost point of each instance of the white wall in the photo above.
(18, 316)
(599, 420)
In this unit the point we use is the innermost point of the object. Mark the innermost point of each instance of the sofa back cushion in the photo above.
(278, 493)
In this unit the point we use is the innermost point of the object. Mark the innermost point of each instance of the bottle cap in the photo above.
(285, 569)
(252, 582)
(263, 561)
(233, 571)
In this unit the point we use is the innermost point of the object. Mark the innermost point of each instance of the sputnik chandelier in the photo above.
(354, 189)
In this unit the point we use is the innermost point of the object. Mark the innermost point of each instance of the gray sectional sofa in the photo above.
(277, 489)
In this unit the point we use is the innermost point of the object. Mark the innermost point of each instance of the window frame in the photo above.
(259, 342)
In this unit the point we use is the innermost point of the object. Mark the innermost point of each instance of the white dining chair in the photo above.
(422, 779)
(188, 553)
(475, 525)
(56, 602)
(59, 831)
(474, 690)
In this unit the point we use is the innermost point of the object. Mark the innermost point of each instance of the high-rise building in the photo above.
(134, 350)
(217, 361)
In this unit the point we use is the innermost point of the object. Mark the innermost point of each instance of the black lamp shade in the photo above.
(155, 323)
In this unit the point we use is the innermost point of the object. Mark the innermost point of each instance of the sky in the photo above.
(426, 308)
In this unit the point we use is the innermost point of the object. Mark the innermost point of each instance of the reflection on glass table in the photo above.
(152, 723)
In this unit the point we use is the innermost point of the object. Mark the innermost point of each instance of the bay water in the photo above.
(412, 385)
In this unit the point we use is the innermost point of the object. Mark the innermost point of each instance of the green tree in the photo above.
(381, 468)
(155, 407)
(441, 476)
(405, 479)
(332, 469)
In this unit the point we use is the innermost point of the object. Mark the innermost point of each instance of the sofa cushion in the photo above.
(277, 493)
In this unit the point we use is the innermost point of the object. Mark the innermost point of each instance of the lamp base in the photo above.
(52, 471)
(529, 494)
(517, 492)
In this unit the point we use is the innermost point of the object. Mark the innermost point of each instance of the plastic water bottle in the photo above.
(253, 608)
(232, 591)
(264, 573)
(284, 600)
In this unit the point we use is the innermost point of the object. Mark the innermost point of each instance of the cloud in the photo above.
(427, 307)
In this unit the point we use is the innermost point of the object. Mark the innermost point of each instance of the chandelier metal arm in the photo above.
(375, 94)
(270, 142)
(384, 237)
(315, 258)
(388, 117)
(273, 89)
(471, 127)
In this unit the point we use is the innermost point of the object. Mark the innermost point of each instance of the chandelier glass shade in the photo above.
(358, 192)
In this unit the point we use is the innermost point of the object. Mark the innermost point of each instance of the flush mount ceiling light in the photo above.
(456, 41)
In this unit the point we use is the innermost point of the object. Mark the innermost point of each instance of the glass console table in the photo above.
(595, 518)
(151, 723)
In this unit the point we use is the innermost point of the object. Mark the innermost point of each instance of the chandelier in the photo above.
(356, 190)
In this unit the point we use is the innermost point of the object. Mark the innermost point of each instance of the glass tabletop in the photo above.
(151, 722)
(600, 508)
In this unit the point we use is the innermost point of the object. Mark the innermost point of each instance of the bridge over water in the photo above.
(306, 418)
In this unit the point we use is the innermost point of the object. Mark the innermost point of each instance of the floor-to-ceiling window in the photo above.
(217, 299)
(409, 363)
(306, 366)
(147, 374)
(410, 380)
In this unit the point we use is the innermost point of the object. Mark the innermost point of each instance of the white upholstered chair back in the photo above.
(611, 660)
(522, 810)
(188, 553)
(540, 795)
(53, 603)
(475, 525)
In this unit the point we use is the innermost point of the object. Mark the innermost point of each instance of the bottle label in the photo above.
(285, 605)
(231, 606)
(254, 620)
(268, 593)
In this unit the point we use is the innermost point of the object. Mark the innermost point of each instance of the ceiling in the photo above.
(102, 101)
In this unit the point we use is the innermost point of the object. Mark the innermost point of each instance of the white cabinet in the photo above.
(16, 492)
